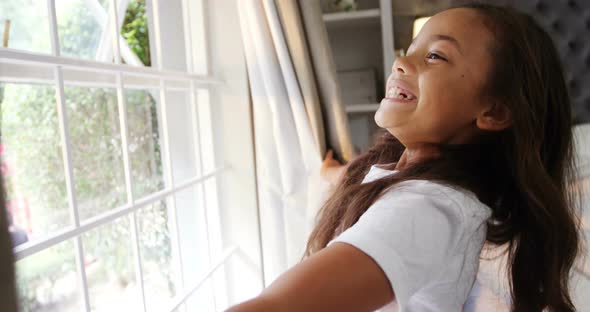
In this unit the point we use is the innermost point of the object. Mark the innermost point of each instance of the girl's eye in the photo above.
(434, 56)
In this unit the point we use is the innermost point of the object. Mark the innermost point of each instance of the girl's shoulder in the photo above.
(456, 196)
(432, 191)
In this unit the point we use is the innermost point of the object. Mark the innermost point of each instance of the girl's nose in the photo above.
(402, 66)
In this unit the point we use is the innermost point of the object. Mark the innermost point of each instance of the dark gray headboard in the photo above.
(567, 21)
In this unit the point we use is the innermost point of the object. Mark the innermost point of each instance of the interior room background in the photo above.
(164, 155)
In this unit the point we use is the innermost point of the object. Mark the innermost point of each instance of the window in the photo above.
(107, 151)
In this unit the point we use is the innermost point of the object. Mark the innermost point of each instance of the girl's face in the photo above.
(433, 94)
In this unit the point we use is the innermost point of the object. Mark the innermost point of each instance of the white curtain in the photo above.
(287, 156)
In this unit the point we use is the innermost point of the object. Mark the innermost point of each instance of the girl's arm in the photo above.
(338, 278)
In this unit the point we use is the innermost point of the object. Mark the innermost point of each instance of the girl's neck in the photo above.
(414, 155)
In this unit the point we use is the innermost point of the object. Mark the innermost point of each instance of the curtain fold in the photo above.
(296, 41)
(297, 112)
(287, 156)
(337, 128)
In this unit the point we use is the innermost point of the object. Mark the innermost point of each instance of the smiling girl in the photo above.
(477, 150)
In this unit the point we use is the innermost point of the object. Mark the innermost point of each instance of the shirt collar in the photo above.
(376, 172)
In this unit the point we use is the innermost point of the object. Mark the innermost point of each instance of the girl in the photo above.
(477, 148)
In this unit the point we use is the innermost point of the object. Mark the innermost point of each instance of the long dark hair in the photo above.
(522, 173)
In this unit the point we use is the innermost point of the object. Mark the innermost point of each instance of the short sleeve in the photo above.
(412, 233)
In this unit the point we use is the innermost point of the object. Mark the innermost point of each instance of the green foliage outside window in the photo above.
(135, 30)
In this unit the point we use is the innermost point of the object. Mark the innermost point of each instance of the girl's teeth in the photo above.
(395, 93)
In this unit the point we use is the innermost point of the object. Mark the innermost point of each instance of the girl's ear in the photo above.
(495, 118)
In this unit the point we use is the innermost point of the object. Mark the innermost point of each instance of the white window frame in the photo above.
(168, 80)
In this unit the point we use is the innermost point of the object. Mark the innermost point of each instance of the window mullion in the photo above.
(53, 34)
(198, 154)
(69, 177)
(213, 267)
(137, 258)
(169, 178)
(206, 42)
(115, 31)
(129, 186)
(157, 32)
(188, 45)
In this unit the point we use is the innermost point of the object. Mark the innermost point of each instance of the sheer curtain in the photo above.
(288, 159)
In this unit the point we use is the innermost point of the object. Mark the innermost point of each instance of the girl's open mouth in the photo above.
(398, 93)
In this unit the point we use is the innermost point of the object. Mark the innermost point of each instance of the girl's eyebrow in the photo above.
(437, 37)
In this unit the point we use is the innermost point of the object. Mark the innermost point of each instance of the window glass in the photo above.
(144, 142)
(48, 280)
(83, 30)
(110, 270)
(156, 256)
(95, 142)
(32, 163)
(20, 32)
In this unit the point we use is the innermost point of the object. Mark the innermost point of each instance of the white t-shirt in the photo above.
(427, 238)
(491, 290)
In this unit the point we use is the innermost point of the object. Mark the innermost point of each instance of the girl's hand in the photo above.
(332, 169)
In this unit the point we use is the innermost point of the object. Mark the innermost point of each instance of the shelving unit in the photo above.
(353, 18)
(362, 108)
(363, 40)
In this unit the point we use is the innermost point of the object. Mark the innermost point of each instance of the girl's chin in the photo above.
(387, 116)
(386, 121)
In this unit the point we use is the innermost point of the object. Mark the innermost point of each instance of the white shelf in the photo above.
(362, 108)
(363, 39)
(353, 18)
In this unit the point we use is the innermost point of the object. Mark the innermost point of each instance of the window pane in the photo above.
(144, 142)
(192, 232)
(82, 29)
(198, 43)
(95, 137)
(29, 25)
(156, 256)
(182, 148)
(110, 268)
(32, 163)
(48, 280)
(134, 30)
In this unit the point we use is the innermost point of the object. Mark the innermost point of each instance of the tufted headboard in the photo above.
(567, 21)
